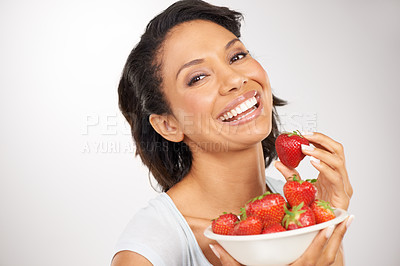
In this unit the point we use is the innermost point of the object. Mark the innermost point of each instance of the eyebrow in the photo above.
(199, 61)
(231, 42)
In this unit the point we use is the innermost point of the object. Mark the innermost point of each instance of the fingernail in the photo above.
(349, 221)
(307, 133)
(315, 160)
(215, 251)
(307, 147)
(329, 231)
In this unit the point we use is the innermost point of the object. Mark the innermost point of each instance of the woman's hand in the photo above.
(328, 158)
(326, 246)
(223, 256)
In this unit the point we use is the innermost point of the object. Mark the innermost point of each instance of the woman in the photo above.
(182, 91)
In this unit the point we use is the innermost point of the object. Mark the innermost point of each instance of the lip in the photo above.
(242, 98)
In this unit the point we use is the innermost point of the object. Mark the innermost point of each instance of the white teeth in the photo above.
(249, 104)
(243, 106)
(240, 109)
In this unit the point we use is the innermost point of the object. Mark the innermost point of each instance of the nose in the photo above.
(232, 81)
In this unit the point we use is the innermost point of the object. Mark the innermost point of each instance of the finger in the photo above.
(333, 245)
(334, 183)
(331, 159)
(223, 256)
(315, 249)
(328, 143)
(329, 174)
(287, 172)
(339, 164)
(346, 180)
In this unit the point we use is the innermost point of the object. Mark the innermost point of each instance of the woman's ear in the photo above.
(167, 127)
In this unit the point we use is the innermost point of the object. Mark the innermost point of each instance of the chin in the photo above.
(252, 134)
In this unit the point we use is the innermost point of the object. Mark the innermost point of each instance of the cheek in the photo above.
(199, 104)
(194, 111)
(195, 103)
(259, 74)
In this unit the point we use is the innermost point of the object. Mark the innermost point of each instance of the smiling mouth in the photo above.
(242, 110)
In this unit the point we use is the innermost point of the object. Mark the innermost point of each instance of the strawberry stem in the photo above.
(295, 133)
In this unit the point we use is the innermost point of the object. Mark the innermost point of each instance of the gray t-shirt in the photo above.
(161, 234)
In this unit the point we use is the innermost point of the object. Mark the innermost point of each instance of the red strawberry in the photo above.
(298, 191)
(288, 148)
(249, 226)
(322, 210)
(273, 228)
(269, 207)
(224, 224)
(298, 217)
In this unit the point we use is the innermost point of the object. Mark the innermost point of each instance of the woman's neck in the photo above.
(219, 182)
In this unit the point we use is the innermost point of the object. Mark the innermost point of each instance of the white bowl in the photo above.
(272, 249)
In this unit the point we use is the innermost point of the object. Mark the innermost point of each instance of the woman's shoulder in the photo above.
(152, 220)
(155, 232)
(156, 209)
(129, 258)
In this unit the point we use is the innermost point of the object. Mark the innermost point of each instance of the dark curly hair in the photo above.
(140, 92)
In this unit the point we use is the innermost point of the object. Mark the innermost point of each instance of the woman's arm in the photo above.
(129, 258)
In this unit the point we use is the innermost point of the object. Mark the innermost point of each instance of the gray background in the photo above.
(69, 179)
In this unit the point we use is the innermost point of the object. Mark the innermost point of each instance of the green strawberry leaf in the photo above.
(325, 205)
(291, 215)
(242, 214)
(258, 197)
(295, 178)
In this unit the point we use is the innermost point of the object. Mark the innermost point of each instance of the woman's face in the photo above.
(219, 95)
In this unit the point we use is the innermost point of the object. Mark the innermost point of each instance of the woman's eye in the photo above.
(196, 79)
(238, 56)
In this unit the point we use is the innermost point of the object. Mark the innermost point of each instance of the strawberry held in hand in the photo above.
(298, 217)
(288, 148)
(224, 224)
(323, 211)
(269, 207)
(297, 191)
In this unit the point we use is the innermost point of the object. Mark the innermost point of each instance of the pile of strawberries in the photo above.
(270, 212)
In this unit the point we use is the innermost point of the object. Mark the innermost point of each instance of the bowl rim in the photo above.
(341, 215)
